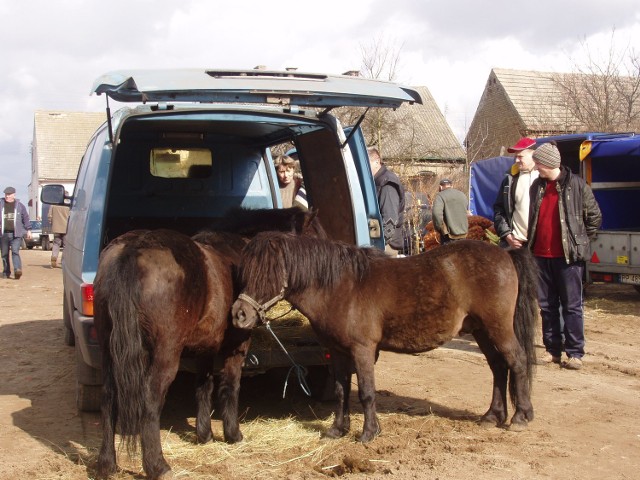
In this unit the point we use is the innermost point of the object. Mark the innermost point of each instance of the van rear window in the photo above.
(180, 163)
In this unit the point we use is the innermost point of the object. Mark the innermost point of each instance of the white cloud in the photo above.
(53, 51)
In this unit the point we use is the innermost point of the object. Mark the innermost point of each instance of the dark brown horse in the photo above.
(157, 293)
(360, 301)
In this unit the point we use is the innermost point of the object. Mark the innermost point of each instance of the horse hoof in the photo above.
(365, 437)
(334, 433)
(234, 439)
(368, 436)
(484, 423)
(518, 427)
(106, 469)
(489, 420)
(202, 439)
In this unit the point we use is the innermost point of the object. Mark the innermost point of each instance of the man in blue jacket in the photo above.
(15, 224)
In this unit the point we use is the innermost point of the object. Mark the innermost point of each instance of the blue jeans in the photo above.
(10, 240)
(560, 286)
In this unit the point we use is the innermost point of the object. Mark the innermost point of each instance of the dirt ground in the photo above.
(586, 427)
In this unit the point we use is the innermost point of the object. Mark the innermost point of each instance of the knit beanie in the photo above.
(548, 155)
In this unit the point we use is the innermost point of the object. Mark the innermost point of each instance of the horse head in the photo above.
(247, 313)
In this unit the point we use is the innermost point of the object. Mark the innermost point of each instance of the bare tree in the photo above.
(604, 93)
(380, 60)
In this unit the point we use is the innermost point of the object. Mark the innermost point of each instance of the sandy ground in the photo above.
(586, 427)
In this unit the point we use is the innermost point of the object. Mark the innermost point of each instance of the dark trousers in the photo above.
(560, 287)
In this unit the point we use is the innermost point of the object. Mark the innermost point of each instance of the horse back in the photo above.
(423, 301)
(158, 276)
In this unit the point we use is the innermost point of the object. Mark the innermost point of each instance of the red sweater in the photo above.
(548, 242)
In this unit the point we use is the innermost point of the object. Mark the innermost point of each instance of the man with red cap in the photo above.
(511, 208)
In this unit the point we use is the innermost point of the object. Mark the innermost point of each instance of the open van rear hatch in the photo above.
(252, 86)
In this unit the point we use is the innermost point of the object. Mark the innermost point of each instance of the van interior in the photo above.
(186, 170)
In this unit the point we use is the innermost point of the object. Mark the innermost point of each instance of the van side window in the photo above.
(180, 163)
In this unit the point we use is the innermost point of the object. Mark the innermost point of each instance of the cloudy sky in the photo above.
(51, 51)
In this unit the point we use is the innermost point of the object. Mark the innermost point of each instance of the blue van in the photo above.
(197, 143)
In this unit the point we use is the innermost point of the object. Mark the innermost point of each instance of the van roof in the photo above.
(252, 86)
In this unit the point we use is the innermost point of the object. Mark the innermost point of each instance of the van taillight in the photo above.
(86, 291)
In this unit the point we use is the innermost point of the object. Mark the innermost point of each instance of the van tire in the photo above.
(69, 337)
(88, 385)
(88, 397)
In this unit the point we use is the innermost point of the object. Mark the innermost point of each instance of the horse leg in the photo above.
(229, 389)
(342, 371)
(107, 458)
(518, 385)
(364, 362)
(161, 374)
(497, 413)
(204, 392)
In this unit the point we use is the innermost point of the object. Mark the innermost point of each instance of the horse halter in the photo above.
(261, 309)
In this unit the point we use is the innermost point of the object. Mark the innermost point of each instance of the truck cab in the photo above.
(198, 143)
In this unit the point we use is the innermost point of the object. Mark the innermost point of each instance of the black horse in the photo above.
(360, 301)
(157, 293)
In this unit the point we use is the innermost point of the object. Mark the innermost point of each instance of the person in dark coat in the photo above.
(564, 216)
(391, 200)
(511, 208)
(14, 224)
(450, 213)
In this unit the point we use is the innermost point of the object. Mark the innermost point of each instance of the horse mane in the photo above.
(272, 258)
(249, 222)
(226, 243)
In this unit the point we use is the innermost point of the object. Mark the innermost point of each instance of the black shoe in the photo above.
(17, 274)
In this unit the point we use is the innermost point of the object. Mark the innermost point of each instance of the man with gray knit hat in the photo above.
(564, 216)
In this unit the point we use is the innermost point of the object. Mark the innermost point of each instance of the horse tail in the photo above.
(526, 314)
(128, 349)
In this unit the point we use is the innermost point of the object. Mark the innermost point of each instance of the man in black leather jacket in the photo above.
(564, 216)
(391, 200)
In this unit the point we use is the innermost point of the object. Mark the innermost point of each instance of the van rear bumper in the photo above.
(87, 340)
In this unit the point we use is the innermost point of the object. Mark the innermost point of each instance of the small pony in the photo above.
(157, 293)
(360, 301)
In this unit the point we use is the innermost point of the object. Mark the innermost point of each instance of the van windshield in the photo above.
(180, 163)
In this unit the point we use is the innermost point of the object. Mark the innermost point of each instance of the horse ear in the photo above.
(310, 216)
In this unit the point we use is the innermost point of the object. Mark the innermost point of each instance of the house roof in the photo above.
(59, 141)
(423, 133)
(537, 99)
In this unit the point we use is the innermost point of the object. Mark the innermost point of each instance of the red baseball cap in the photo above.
(523, 144)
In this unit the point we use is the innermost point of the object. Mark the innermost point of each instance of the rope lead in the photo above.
(300, 370)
